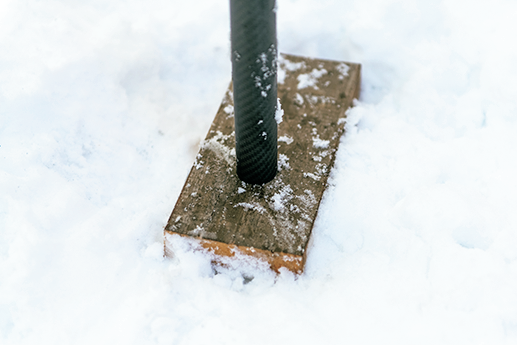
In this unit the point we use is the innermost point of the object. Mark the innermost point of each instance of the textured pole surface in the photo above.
(254, 64)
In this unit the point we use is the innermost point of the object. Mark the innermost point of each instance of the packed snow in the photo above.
(104, 105)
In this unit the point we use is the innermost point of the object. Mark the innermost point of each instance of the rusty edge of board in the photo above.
(275, 260)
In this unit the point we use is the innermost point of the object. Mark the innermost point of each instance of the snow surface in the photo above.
(104, 105)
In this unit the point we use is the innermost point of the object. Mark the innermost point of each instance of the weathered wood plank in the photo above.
(273, 221)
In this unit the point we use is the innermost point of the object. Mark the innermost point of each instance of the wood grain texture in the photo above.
(274, 220)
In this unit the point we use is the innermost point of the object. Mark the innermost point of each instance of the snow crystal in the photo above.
(229, 110)
(216, 144)
(320, 143)
(298, 99)
(281, 198)
(343, 70)
(310, 79)
(283, 162)
(279, 112)
(251, 206)
(199, 231)
(277, 202)
(287, 65)
(312, 176)
(285, 139)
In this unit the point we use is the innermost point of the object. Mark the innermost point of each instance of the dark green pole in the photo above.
(254, 66)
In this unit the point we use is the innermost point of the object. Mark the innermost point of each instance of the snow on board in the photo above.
(272, 221)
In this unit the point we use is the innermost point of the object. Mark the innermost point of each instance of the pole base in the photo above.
(273, 221)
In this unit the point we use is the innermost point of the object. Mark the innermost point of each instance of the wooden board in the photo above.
(274, 221)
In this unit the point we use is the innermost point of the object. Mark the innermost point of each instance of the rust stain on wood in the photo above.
(272, 221)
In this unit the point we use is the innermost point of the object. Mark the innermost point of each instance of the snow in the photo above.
(249, 206)
(281, 198)
(104, 106)
(310, 79)
(286, 65)
(217, 145)
(319, 143)
(283, 162)
(279, 112)
(285, 139)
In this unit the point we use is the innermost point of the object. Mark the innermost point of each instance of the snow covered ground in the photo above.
(103, 105)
